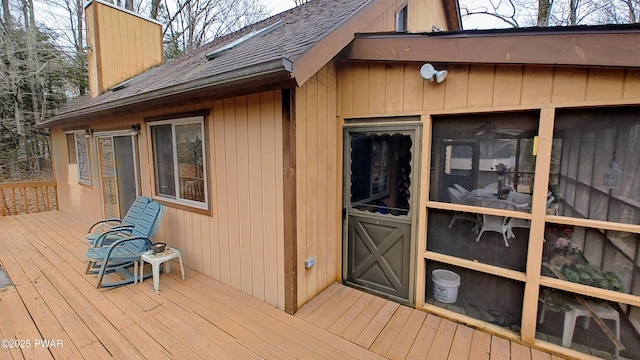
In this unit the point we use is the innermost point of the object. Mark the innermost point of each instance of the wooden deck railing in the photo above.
(28, 197)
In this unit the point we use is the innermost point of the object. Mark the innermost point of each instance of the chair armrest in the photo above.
(121, 242)
(124, 231)
(103, 221)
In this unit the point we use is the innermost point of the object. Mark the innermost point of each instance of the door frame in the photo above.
(136, 172)
(414, 125)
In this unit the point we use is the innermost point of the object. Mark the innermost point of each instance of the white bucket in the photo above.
(445, 285)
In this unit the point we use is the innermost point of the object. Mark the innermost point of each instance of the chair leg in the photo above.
(504, 237)
(568, 328)
(89, 266)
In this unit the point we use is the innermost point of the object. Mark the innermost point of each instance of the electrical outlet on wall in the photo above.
(309, 263)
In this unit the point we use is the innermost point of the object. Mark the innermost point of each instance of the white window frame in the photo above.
(177, 199)
(76, 136)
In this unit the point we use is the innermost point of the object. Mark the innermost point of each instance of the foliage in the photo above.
(591, 275)
(35, 77)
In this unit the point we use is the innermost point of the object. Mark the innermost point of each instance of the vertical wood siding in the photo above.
(318, 150)
(422, 16)
(131, 45)
(241, 244)
(398, 89)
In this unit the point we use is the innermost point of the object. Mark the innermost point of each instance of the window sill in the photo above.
(184, 207)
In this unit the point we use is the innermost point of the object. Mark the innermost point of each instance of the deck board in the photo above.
(202, 318)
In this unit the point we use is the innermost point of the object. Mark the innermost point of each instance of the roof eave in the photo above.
(571, 48)
(275, 71)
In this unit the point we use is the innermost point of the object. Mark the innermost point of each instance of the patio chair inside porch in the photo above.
(457, 198)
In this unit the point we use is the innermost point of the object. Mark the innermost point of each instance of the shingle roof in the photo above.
(277, 50)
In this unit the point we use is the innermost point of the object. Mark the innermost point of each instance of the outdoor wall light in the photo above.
(135, 129)
(88, 133)
(428, 72)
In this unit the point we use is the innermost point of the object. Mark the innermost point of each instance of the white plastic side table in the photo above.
(155, 259)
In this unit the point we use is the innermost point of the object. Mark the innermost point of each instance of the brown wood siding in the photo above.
(397, 89)
(122, 46)
(424, 14)
(241, 244)
(318, 148)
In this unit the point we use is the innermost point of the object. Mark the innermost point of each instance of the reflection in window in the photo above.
(380, 172)
(178, 150)
(82, 156)
(599, 165)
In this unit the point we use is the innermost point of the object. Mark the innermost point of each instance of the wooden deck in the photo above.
(200, 318)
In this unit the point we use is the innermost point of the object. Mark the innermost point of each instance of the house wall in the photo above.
(397, 89)
(241, 242)
(319, 154)
(318, 149)
(422, 15)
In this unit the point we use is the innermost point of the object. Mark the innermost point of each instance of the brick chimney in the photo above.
(121, 43)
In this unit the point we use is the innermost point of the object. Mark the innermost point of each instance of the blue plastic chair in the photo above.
(122, 255)
(121, 225)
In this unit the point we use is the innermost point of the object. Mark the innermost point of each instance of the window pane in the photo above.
(479, 237)
(381, 173)
(163, 159)
(599, 164)
(84, 168)
(485, 158)
(479, 295)
(564, 319)
(190, 162)
(71, 149)
(593, 257)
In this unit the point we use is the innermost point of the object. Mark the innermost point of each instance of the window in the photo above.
(71, 149)
(179, 161)
(402, 18)
(82, 158)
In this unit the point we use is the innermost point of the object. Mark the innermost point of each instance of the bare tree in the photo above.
(33, 75)
(192, 23)
(519, 13)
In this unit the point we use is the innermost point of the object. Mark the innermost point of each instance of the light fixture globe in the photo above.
(441, 75)
(427, 71)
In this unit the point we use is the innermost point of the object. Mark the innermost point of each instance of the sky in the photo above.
(278, 6)
(474, 22)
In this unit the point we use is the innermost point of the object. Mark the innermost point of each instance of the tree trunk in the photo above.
(155, 7)
(128, 4)
(6, 14)
(573, 16)
(80, 58)
(544, 11)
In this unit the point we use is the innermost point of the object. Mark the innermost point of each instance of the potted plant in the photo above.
(501, 170)
(569, 259)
